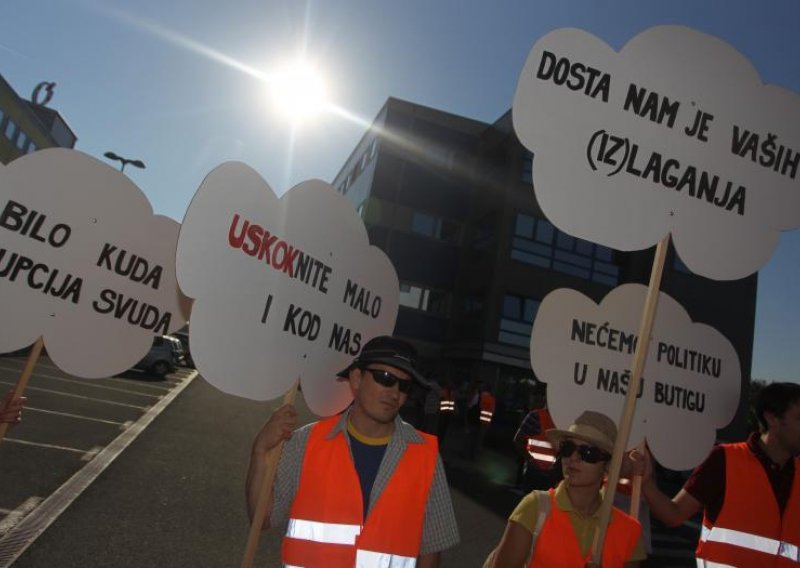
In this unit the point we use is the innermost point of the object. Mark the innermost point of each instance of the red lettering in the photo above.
(266, 243)
(254, 233)
(236, 240)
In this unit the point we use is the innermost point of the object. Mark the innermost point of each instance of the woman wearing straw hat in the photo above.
(555, 528)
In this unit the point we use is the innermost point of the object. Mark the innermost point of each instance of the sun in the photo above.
(298, 91)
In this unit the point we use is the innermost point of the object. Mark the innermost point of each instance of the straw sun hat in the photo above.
(591, 427)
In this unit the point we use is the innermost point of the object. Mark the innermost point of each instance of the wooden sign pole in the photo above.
(626, 421)
(265, 493)
(27, 371)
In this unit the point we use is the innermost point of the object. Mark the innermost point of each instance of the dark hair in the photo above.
(776, 398)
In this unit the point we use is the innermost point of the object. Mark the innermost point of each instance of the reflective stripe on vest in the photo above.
(369, 559)
(447, 406)
(750, 530)
(709, 564)
(486, 416)
(751, 541)
(533, 443)
(330, 533)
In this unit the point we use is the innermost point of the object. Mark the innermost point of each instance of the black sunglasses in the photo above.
(387, 379)
(589, 454)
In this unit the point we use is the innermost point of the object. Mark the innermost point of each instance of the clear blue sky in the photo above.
(174, 83)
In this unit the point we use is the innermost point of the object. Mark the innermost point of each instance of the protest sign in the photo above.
(84, 263)
(692, 379)
(284, 288)
(675, 134)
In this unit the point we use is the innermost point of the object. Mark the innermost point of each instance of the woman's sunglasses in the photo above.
(387, 379)
(589, 454)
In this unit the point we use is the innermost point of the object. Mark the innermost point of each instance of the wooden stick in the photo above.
(265, 492)
(626, 421)
(27, 371)
(636, 496)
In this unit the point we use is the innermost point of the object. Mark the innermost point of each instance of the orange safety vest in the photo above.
(749, 531)
(557, 544)
(539, 448)
(448, 403)
(487, 407)
(326, 520)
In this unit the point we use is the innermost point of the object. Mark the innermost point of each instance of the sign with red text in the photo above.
(675, 134)
(691, 381)
(284, 288)
(83, 263)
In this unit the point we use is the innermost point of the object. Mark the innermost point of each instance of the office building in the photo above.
(28, 125)
(450, 201)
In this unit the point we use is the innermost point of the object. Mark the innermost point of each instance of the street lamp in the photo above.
(124, 161)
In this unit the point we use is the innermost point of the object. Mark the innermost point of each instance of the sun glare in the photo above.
(298, 92)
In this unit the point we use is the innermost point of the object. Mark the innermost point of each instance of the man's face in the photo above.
(378, 402)
(787, 429)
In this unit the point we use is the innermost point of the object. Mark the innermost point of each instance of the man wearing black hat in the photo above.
(363, 488)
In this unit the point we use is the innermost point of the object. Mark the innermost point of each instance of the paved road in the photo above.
(70, 428)
(175, 496)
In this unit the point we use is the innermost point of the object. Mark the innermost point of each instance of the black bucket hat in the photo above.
(389, 351)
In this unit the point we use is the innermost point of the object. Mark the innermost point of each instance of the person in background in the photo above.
(537, 467)
(555, 528)
(480, 419)
(447, 409)
(363, 488)
(749, 491)
(11, 409)
(430, 420)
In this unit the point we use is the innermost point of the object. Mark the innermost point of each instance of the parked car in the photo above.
(162, 357)
(177, 346)
(183, 337)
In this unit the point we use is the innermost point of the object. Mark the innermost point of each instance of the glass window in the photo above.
(533, 244)
(565, 241)
(531, 307)
(32, 147)
(425, 299)
(527, 168)
(423, 224)
(21, 140)
(545, 231)
(524, 225)
(517, 320)
(11, 129)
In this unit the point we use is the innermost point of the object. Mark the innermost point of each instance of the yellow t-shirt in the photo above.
(527, 511)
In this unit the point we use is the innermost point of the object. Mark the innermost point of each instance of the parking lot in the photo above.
(68, 425)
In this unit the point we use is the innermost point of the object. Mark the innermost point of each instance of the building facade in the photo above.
(450, 201)
(28, 125)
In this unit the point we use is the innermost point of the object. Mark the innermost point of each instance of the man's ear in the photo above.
(770, 419)
(356, 376)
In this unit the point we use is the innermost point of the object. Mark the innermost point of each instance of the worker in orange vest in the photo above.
(556, 527)
(447, 409)
(538, 467)
(361, 488)
(481, 413)
(749, 491)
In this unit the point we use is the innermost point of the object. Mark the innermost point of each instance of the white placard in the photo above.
(691, 381)
(675, 133)
(83, 263)
(284, 288)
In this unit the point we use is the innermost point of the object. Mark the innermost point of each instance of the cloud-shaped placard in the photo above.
(284, 288)
(675, 133)
(691, 381)
(83, 263)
